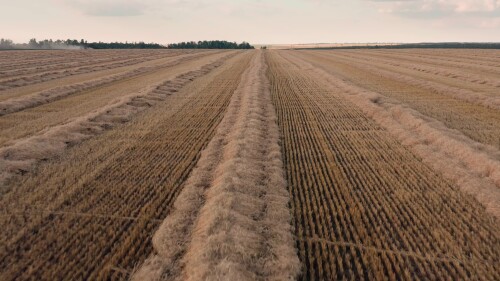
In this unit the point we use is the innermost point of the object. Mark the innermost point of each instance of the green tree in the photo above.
(33, 43)
(6, 44)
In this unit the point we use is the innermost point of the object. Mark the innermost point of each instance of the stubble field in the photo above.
(250, 165)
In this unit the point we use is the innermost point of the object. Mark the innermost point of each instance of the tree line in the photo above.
(442, 45)
(49, 44)
(216, 44)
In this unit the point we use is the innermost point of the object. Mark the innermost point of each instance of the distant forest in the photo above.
(444, 45)
(49, 44)
(210, 45)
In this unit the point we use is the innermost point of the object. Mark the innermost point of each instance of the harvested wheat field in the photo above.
(250, 165)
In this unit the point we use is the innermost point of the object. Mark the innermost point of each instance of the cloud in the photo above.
(492, 23)
(466, 13)
(115, 8)
(247, 8)
(126, 8)
(440, 7)
(467, 6)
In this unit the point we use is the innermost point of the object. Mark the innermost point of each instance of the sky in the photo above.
(254, 21)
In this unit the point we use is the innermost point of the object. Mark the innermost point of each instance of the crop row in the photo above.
(14, 99)
(364, 206)
(54, 65)
(44, 111)
(460, 76)
(472, 59)
(235, 197)
(29, 60)
(53, 73)
(478, 122)
(94, 220)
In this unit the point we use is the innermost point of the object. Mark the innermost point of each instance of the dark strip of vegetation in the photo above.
(119, 45)
(447, 45)
(49, 44)
(210, 45)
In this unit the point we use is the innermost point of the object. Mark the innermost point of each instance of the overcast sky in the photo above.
(256, 21)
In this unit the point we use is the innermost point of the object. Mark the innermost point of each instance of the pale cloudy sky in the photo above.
(256, 21)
